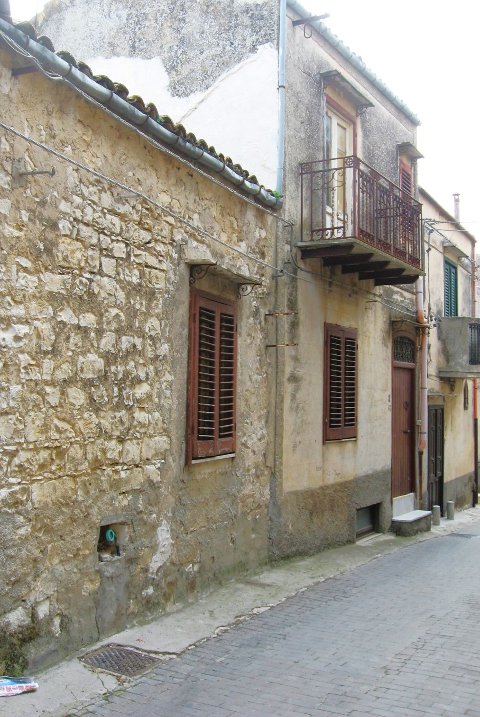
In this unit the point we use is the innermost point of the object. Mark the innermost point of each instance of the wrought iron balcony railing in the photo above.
(344, 198)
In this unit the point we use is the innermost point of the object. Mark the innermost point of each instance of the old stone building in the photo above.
(348, 428)
(133, 361)
(158, 431)
(451, 299)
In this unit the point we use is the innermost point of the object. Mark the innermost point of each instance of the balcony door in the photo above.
(338, 145)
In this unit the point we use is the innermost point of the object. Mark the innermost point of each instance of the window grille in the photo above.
(403, 349)
(474, 344)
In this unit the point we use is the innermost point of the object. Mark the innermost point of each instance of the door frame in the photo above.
(409, 365)
(441, 499)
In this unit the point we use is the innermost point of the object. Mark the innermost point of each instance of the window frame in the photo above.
(450, 269)
(345, 430)
(217, 445)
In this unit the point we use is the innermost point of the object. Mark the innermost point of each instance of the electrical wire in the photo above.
(431, 228)
(166, 150)
(280, 271)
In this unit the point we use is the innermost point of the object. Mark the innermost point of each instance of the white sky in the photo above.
(426, 51)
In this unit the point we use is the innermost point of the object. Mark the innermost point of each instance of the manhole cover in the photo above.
(120, 660)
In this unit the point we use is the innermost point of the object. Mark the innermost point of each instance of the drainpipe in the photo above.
(422, 434)
(475, 388)
(281, 95)
(5, 13)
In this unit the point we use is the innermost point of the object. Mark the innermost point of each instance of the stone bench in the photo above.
(416, 521)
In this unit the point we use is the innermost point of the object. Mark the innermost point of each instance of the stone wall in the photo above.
(94, 298)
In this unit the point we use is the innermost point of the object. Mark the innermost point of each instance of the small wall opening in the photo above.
(367, 520)
(111, 541)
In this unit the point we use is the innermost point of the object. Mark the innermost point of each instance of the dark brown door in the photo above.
(403, 434)
(435, 456)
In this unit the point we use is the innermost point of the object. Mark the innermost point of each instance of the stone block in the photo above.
(90, 366)
(109, 266)
(56, 283)
(88, 320)
(131, 451)
(53, 494)
(69, 253)
(155, 448)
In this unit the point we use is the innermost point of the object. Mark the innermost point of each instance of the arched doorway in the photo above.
(403, 415)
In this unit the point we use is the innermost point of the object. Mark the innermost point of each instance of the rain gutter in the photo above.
(51, 62)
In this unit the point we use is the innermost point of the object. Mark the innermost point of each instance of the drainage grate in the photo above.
(463, 535)
(120, 660)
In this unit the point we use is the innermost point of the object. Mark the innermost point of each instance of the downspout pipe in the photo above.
(475, 386)
(52, 63)
(281, 95)
(423, 356)
(5, 13)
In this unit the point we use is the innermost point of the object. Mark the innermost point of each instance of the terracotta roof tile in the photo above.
(136, 101)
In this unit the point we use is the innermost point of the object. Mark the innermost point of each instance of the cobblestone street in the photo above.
(397, 636)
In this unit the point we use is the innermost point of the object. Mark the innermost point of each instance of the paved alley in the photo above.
(397, 636)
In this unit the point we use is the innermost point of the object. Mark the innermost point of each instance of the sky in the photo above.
(426, 52)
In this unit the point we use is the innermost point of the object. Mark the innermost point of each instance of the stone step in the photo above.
(413, 522)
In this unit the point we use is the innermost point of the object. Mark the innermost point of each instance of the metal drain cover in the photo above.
(120, 660)
(463, 535)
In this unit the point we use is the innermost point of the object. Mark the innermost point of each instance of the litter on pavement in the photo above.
(10, 686)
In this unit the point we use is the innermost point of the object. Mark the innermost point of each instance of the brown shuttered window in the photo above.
(406, 178)
(340, 383)
(211, 409)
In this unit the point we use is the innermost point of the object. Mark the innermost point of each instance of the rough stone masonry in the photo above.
(94, 301)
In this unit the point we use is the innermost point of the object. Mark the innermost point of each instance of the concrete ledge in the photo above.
(413, 522)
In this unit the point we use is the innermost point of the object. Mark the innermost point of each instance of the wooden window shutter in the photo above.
(340, 414)
(450, 289)
(406, 178)
(212, 377)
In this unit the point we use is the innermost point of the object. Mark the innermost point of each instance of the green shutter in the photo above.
(450, 303)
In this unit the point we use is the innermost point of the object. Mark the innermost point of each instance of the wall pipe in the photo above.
(423, 355)
(475, 385)
(281, 94)
(51, 62)
(5, 13)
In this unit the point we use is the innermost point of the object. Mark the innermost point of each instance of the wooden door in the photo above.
(435, 456)
(403, 433)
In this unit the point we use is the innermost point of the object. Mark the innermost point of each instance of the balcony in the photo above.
(355, 218)
(459, 338)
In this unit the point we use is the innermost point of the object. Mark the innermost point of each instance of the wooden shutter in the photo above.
(340, 383)
(212, 377)
(406, 178)
(450, 286)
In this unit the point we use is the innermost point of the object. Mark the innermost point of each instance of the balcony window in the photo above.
(373, 227)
